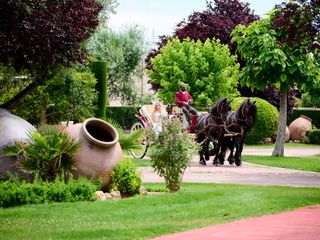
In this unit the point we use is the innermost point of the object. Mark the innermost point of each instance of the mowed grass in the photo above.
(140, 162)
(142, 217)
(299, 163)
(286, 145)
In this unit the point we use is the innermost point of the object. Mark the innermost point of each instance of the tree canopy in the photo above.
(123, 52)
(273, 59)
(41, 36)
(217, 21)
(207, 68)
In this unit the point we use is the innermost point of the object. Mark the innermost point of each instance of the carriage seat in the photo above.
(147, 110)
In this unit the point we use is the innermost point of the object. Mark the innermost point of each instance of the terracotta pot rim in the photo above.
(304, 116)
(106, 126)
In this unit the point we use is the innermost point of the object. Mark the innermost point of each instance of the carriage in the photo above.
(219, 127)
(144, 121)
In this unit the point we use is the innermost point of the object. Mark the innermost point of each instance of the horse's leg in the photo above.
(202, 160)
(215, 160)
(239, 161)
(238, 151)
(231, 146)
(206, 150)
(223, 150)
(201, 151)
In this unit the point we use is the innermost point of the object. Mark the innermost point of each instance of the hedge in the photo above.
(125, 116)
(308, 100)
(313, 136)
(15, 193)
(311, 113)
(266, 120)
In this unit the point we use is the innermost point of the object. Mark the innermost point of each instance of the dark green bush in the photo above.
(313, 136)
(125, 116)
(126, 179)
(313, 114)
(14, 193)
(266, 120)
(308, 100)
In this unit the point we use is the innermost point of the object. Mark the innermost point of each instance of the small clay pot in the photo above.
(299, 127)
(100, 149)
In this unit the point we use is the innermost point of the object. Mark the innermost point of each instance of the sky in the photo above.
(159, 17)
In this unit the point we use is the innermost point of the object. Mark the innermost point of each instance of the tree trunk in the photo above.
(279, 146)
(18, 99)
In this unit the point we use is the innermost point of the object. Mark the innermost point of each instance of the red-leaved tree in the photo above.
(217, 21)
(41, 36)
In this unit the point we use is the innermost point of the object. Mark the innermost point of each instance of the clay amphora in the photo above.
(287, 135)
(299, 127)
(100, 149)
(12, 129)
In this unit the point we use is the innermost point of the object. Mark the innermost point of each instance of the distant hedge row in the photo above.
(311, 113)
(125, 116)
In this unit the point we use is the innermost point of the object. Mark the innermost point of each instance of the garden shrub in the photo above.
(126, 179)
(313, 136)
(171, 153)
(266, 120)
(48, 154)
(125, 116)
(15, 193)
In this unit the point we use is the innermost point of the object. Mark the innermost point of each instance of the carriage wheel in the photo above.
(143, 141)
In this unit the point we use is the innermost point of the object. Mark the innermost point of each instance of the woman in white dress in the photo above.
(157, 117)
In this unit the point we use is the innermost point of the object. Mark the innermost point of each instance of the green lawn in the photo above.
(299, 163)
(140, 162)
(196, 205)
(286, 145)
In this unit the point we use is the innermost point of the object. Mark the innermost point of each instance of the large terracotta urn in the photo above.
(100, 149)
(287, 135)
(299, 127)
(12, 129)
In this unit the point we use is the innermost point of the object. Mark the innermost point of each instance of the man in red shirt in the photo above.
(183, 99)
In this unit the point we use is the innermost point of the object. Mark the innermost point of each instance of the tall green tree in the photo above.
(208, 69)
(69, 95)
(123, 51)
(279, 54)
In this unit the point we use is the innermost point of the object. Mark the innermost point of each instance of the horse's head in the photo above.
(248, 112)
(220, 109)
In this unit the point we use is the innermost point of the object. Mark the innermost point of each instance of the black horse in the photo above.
(211, 128)
(240, 123)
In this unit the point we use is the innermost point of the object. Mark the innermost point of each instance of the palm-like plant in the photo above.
(126, 141)
(48, 154)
